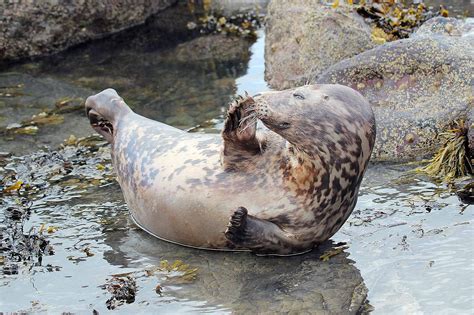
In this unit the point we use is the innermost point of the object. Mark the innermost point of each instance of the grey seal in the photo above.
(278, 191)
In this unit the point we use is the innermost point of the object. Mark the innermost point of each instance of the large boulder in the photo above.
(306, 37)
(418, 87)
(33, 28)
(453, 27)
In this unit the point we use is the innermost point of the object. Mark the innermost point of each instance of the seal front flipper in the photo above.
(240, 133)
(262, 237)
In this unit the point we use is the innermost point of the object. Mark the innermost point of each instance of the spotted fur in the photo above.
(279, 191)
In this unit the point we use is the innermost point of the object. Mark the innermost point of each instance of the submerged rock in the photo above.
(39, 111)
(233, 6)
(218, 48)
(418, 87)
(24, 33)
(307, 37)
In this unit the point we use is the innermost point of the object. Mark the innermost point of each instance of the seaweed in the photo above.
(30, 181)
(393, 20)
(123, 289)
(244, 24)
(124, 286)
(334, 251)
(452, 160)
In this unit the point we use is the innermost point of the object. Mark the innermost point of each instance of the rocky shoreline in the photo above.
(419, 86)
(24, 32)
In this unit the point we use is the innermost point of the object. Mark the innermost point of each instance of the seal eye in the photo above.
(298, 96)
(283, 125)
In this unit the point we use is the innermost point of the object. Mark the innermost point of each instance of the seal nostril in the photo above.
(298, 96)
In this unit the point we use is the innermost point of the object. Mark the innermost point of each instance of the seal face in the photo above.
(285, 189)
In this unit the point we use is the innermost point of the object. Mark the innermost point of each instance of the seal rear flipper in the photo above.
(104, 110)
(262, 237)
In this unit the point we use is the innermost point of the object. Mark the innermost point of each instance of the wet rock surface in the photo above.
(233, 6)
(24, 33)
(470, 132)
(307, 37)
(418, 87)
(216, 48)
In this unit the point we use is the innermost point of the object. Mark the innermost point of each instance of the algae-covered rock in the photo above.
(417, 87)
(307, 37)
(32, 28)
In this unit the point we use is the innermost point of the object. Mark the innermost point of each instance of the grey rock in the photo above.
(305, 38)
(220, 48)
(444, 26)
(452, 27)
(232, 6)
(34, 28)
(470, 132)
(417, 88)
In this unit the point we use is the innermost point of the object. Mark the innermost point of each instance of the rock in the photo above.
(417, 87)
(232, 6)
(444, 26)
(470, 132)
(220, 48)
(33, 28)
(305, 38)
(453, 27)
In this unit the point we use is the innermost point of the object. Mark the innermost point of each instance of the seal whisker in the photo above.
(251, 116)
(253, 121)
(249, 109)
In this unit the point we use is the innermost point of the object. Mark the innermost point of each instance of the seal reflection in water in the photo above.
(278, 191)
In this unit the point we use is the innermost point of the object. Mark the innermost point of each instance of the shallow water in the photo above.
(410, 241)
(409, 244)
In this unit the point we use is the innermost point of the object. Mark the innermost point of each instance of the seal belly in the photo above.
(175, 189)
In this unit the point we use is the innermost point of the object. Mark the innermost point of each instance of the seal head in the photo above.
(318, 118)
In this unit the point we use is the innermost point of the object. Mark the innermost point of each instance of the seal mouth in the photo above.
(99, 123)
